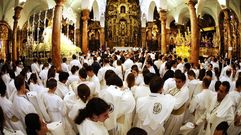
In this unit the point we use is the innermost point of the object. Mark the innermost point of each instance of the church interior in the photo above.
(108, 67)
(45, 28)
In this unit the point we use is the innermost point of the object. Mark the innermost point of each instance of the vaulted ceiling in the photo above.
(177, 9)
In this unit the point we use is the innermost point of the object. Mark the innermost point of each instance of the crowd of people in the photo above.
(122, 93)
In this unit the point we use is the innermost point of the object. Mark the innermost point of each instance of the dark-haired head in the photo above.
(2, 120)
(51, 83)
(136, 131)
(83, 92)
(156, 85)
(82, 73)
(34, 125)
(63, 76)
(3, 88)
(19, 82)
(96, 109)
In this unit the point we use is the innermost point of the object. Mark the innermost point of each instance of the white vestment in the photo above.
(122, 101)
(88, 127)
(142, 91)
(153, 111)
(177, 115)
(61, 90)
(217, 113)
(169, 84)
(57, 111)
(101, 74)
(9, 113)
(22, 106)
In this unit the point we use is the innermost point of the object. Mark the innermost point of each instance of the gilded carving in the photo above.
(4, 32)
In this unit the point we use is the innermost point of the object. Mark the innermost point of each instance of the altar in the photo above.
(123, 48)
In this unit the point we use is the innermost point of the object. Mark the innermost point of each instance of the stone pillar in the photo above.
(17, 11)
(228, 32)
(194, 33)
(163, 18)
(85, 18)
(102, 37)
(143, 37)
(56, 34)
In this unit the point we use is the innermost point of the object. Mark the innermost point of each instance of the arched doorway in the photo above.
(230, 38)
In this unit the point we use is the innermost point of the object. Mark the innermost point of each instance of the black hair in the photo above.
(83, 92)
(83, 73)
(63, 76)
(51, 83)
(114, 80)
(89, 68)
(3, 88)
(223, 126)
(19, 81)
(191, 73)
(32, 123)
(2, 119)
(217, 84)
(238, 83)
(33, 77)
(206, 82)
(64, 59)
(201, 74)
(148, 77)
(209, 73)
(95, 106)
(74, 69)
(73, 56)
(156, 84)
(51, 72)
(180, 75)
(136, 131)
(227, 85)
(12, 74)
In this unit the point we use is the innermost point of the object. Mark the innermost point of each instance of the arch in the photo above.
(207, 10)
(169, 20)
(151, 11)
(183, 15)
(236, 9)
(95, 8)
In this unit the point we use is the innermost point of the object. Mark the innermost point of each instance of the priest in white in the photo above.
(220, 110)
(153, 110)
(181, 93)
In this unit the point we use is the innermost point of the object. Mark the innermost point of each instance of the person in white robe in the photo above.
(138, 76)
(64, 65)
(201, 102)
(74, 75)
(128, 63)
(83, 80)
(35, 66)
(144, 90)
(4, 130)
(123, 102)
(221, 109)
(153, 110)
(43, 75)
(90, 119)
(228, 78)
(93, 78)
(21, 104)
(55, 107)
(102, 70)
(235, 95)
(74, 62)
(83, 97)
(11, 121)
(62, 88)
(181, 93)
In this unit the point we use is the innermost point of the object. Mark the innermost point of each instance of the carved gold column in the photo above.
(17, 11)
(163, 18)
(143, 37)
(56, 34)
(228, 32)
(149, 34)
(102, 37)
(194, 33)
(85, 18)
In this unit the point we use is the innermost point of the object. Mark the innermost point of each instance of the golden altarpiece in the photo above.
(123, 25)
